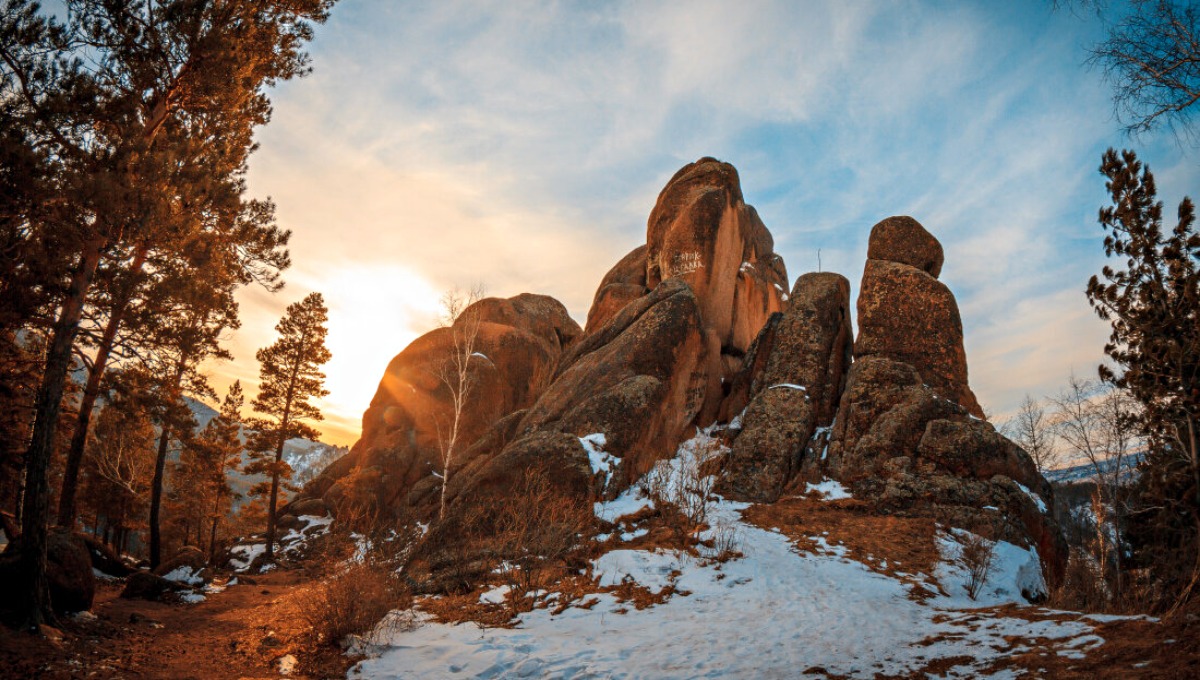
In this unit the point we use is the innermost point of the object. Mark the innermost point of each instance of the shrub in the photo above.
(976, 557)
(353, 600)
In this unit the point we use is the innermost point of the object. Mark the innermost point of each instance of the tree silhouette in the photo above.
(289, 375)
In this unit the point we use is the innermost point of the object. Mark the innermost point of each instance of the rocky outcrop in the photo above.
(623, 284)
(796, 377)
(906, 314)
(639, 380)
(701, 232)
(901, 445)
(518, 346)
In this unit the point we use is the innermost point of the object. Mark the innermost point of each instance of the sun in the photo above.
(375, 311)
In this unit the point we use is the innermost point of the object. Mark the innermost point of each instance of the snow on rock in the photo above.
(1041, 505)
(830, 490)
(653, 570)
(496, 595)
(185, 575)
(245, 554)
(601, 460)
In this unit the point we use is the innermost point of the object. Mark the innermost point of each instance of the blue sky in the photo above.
(522, 145)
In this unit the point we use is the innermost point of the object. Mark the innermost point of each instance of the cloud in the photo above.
(523, 145)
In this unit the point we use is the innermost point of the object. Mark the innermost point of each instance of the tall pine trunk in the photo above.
(35, 508)
(160, 466)
(83, 421)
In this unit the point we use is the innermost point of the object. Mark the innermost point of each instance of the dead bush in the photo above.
(537, 531)
(352, 601)
(976, 557)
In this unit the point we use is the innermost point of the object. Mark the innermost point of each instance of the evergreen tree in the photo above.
(101, 95)
(289, 376)
(1153, 304)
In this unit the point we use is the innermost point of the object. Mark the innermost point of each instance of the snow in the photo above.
(1014, 573)
(1041, 505)
(790, 386)
(287, 664)
(496, 595)
(244, 555)
(192, 598)
(185, 575)
(830, 490)
(601, 460)
(769, 614)
(654, 570)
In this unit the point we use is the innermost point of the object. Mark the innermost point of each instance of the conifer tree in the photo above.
(1153, 304)
(289, 375)
(98, 93)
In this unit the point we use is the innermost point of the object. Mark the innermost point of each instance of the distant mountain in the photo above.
(1086, 472)
(307, 458)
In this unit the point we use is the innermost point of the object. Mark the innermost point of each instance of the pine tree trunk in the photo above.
(156, 489)
(212, 538)
(160, 466)
(35, 509)
(271, 507)
(83, 421)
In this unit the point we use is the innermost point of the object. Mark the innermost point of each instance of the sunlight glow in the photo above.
(374, 312)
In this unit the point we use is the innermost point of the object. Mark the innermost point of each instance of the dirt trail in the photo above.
(242, 632)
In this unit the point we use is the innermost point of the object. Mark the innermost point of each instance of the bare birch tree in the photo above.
(1032, 429)
(461, 316)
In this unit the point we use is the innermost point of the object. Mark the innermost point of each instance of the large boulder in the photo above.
(68, 573)
(143, 585)
(767, 452)
(518, 344)
(702, 232)
(189, 557)
(104, 559)
(902, 446)
(902, 239)
(906, 314)
(799, 362)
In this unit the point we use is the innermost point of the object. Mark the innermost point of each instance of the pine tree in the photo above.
(97, 96)
(1153, 304)
(289, 376)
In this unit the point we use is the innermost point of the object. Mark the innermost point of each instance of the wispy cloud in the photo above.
(523, 145)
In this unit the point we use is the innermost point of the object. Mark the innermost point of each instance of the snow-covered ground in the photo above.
(773, 613)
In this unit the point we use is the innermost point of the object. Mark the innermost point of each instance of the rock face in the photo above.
(795, 381)
(702, 233)
(518, 346)
(906, 314)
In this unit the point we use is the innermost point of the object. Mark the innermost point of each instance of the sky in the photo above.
(521, 145)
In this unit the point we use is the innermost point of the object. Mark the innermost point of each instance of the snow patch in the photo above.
(830, 490)
(1041, 505)
(601, 460)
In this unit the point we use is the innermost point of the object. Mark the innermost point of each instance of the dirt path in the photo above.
(243, 632)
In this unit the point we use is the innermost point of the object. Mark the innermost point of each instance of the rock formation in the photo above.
(906, 314)
(519, 343)
(793, 390)
(690, 328)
